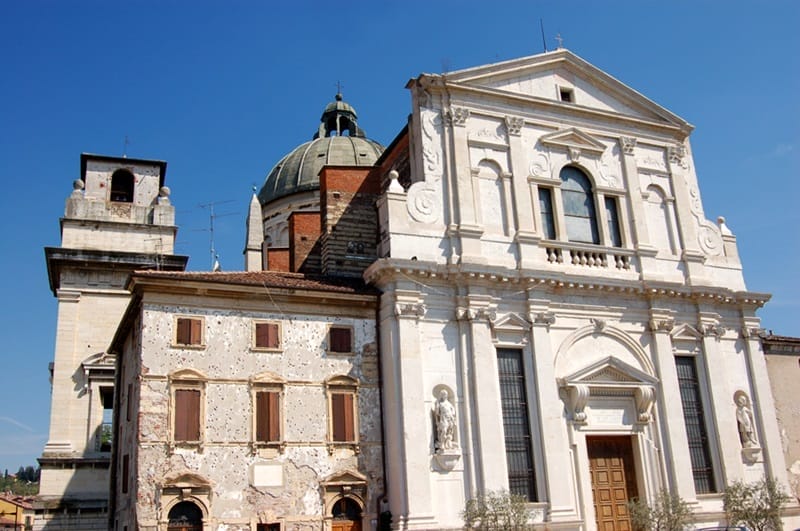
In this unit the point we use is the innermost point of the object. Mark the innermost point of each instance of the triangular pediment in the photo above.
(511, 323)
(348, 477)
(686, 332)
(609, 371)
(574, 138)
(543, 76)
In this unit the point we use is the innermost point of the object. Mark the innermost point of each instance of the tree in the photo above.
(497, 510)
(668, 512)
(757, 505)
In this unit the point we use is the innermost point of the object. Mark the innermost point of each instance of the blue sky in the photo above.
(221, 90)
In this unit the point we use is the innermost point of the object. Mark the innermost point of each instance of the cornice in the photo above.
(387, 270)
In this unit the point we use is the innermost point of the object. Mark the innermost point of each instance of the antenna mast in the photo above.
(544, 41)
(211, 217)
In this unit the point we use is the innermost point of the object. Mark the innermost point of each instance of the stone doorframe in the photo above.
(348, 484)
(185, 487)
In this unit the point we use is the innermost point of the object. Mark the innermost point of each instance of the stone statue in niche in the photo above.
(744, 418)
(445, 414)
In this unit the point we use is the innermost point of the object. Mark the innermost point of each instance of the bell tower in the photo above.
(117, 219)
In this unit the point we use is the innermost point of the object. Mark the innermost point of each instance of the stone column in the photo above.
(407, 429)
(487, 414)
(524, 208)
(460, 172)
(763, 404)
(558, 465)
(675, 454)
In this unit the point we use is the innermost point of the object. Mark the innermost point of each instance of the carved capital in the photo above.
(457, 116)
(544, 318)
(754, 331)
(713, 330)
(514, 125)
(409, 309)
(475, 314)
(628, 144)
(677, 153)
(662, 325)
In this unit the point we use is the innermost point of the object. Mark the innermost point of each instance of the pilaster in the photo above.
(675, 454)
(558, 452)
(526, 237)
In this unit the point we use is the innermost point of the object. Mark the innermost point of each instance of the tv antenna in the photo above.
(212, 215)
(544, 41)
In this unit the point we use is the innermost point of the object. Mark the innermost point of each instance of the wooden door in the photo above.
(346, 525)
(613, 477)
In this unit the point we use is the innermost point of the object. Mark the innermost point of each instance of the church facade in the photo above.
(522, 292)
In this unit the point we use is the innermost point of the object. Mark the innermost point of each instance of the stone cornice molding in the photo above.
(386, 270)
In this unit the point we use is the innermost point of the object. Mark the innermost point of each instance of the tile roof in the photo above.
(26, 502)
(275, 279)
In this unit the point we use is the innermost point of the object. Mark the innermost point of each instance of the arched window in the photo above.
(185, 516)
(580, 214)
(346, 509)
(122, 186)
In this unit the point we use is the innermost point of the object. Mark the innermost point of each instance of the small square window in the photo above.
(189, 331)
(340, 339)
(566, 94)
(267, 336)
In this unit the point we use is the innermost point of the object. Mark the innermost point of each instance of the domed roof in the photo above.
(339, 141)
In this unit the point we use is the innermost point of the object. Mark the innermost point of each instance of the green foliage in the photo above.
(757, 505)
(21, 486)
(668, 512)
(498, 510)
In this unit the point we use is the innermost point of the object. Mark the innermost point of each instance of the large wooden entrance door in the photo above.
(346, 516)
(613, 481)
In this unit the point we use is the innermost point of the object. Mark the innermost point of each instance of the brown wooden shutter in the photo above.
(262, 416)
(340, 340)
(342, 411)
(274, 417)
(197, 332)
(267, 335)
(187, 415)
(184, 335)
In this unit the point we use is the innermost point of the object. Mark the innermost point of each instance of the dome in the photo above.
(338, 141)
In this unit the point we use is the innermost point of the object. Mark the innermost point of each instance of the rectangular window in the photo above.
(565, 94)
(268, 416)
(106, 431)
(267, 335)
(343, 417)
(187, 415)
(694, 418)
(612, 215)
(189, 331)
(340, 339)
(546, 208)
(516, 425)
(125, 473)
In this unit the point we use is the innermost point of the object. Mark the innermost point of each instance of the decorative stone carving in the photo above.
(578, 396)
(662, 325)
(644, 397)
(745, 420)
(431, 142)
(608, 167)
(77, 188)
(709, 238)
(713, 329)
(163, 195)
(677, 155)
(409, 309)
(445, 414)
(540, 165)
(423, 202)
(628, 144)
(544, 318)
(514, 125)
(574, 154)
(457, 116)
(475, 314)
(598, 323)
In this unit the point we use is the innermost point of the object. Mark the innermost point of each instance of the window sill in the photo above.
(189, 347)
(354, 446)
(270, 350)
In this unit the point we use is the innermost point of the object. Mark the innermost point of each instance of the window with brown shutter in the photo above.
(189, 331)
(268, 419)
(187, 415)
(340, 339)
(267, 335)
(343, 417)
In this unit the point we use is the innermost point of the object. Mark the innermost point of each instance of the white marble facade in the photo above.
(468, 269)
